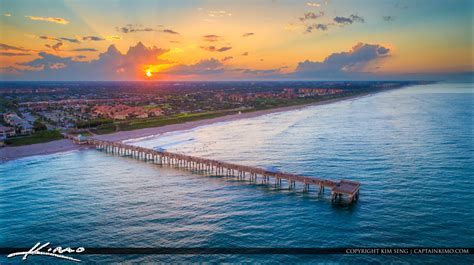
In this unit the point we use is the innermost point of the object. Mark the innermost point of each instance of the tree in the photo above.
(39, 126)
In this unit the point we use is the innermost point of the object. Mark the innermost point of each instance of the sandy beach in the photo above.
(11, 153)
(64, 145)
(126, 135)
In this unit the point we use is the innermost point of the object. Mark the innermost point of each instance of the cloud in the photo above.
(311, 16)
(318, 26)
(92, 38)
(218, 13)
(61, 39)
(9, 70)
(113, 37)
(84, 50)
(57, 20)
(48, 38)
(131, 28)
(7, 14)
(12, 48)
(259, 72)
(203, 67)
(245, 54)
(348, 20)
(13, 54)
(110, 65)
(311, 4)
(70, 40)
(169, 31)
(216, 69)
(248, 34)
(54, 47)
(57, 66)
(215, 49)
(211, 38)
(388, 18)
(343, 63)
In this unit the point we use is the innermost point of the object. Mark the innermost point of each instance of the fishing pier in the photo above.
(347, 189)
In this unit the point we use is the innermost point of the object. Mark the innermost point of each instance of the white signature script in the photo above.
(44, 250)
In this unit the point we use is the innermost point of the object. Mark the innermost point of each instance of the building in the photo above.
(80, 139)
(21, 125)
(156, 112)
(123, 112)
(122, 115)
(6, 132)
(309, 92)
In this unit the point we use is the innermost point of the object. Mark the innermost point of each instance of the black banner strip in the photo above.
(260, 251)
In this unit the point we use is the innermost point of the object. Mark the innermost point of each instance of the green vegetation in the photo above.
(39, 126)
(6, 105)
(158, 121)
(259, 104)
(35, 138)
(93, 123)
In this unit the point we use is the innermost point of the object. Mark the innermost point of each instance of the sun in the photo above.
(148, 73)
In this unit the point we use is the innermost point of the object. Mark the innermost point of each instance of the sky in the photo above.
(235, 40)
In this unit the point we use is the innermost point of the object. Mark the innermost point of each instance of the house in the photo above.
(142, 115)
(102, 110)
(237, 97)
(122, 115)
(25, 128)
(80, 139)
(220, 96)
(156, 112)
(21, 125)
(6, 132)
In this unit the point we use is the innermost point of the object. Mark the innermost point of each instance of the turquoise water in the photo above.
(412, 150)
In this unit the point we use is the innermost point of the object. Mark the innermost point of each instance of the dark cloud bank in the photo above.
(343, 64)
(113, 65)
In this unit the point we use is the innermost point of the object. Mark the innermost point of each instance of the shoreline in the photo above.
(64, 145)
(148, 132)
(57, 146)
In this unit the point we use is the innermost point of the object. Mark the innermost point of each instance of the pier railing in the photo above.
(346, 188)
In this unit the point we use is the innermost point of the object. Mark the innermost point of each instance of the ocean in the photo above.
(412, 150)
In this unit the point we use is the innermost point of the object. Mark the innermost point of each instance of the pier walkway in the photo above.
(339, 189)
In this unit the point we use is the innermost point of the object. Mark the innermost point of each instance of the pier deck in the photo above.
(346, 188)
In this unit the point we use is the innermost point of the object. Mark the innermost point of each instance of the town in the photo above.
(39, 112)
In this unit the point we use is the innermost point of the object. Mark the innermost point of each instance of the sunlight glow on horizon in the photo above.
(206, 42)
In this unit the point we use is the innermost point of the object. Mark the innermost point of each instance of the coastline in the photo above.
(11, 153)
(147, 132)
(64, 145)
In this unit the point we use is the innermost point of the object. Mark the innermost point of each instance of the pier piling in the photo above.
(347, 188)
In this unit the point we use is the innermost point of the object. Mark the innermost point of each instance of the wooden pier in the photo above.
(339, 189)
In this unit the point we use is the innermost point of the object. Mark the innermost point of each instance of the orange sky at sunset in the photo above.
(224, 40)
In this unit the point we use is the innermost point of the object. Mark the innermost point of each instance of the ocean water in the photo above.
(412, 150)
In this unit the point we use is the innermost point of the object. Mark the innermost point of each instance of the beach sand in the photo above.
(126, 135)
(11, 153)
